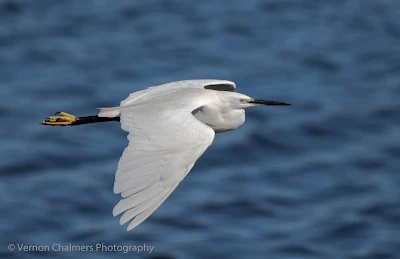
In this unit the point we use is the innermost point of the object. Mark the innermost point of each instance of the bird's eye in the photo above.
(242, 100)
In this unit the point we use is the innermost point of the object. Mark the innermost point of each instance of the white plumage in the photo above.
(170, 126)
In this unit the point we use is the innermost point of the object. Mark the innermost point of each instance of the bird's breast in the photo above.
(221, 121)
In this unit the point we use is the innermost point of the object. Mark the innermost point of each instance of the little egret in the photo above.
(170, 126)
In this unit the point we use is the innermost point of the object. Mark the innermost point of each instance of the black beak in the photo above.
(264, 102)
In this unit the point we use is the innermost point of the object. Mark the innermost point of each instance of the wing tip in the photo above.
(220, 85)
(130, 227)
(116, 211)
(115, 188)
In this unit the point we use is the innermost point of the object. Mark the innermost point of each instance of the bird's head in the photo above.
(241, 101)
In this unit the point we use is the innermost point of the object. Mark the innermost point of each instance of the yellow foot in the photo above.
(59, 119)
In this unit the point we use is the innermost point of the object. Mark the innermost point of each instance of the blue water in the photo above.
(319, 179)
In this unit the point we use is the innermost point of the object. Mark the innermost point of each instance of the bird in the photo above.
(169, 127)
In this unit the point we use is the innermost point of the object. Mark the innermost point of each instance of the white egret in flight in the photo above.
(170, 126)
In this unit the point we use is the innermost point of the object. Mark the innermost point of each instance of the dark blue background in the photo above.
(319, 179)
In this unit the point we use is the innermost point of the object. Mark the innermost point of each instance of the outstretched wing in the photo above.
(155, 92)
(164, 144)
(211, 84)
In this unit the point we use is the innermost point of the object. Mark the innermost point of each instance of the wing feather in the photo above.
(131, 213)
(139, 197)
(146, 213)
(135, 183)
(137, 189)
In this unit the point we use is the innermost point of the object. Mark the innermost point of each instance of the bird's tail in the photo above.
(109, 112)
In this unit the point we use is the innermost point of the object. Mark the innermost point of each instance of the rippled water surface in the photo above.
(319, 179)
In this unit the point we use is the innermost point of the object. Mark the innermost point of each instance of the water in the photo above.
(316, 180)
